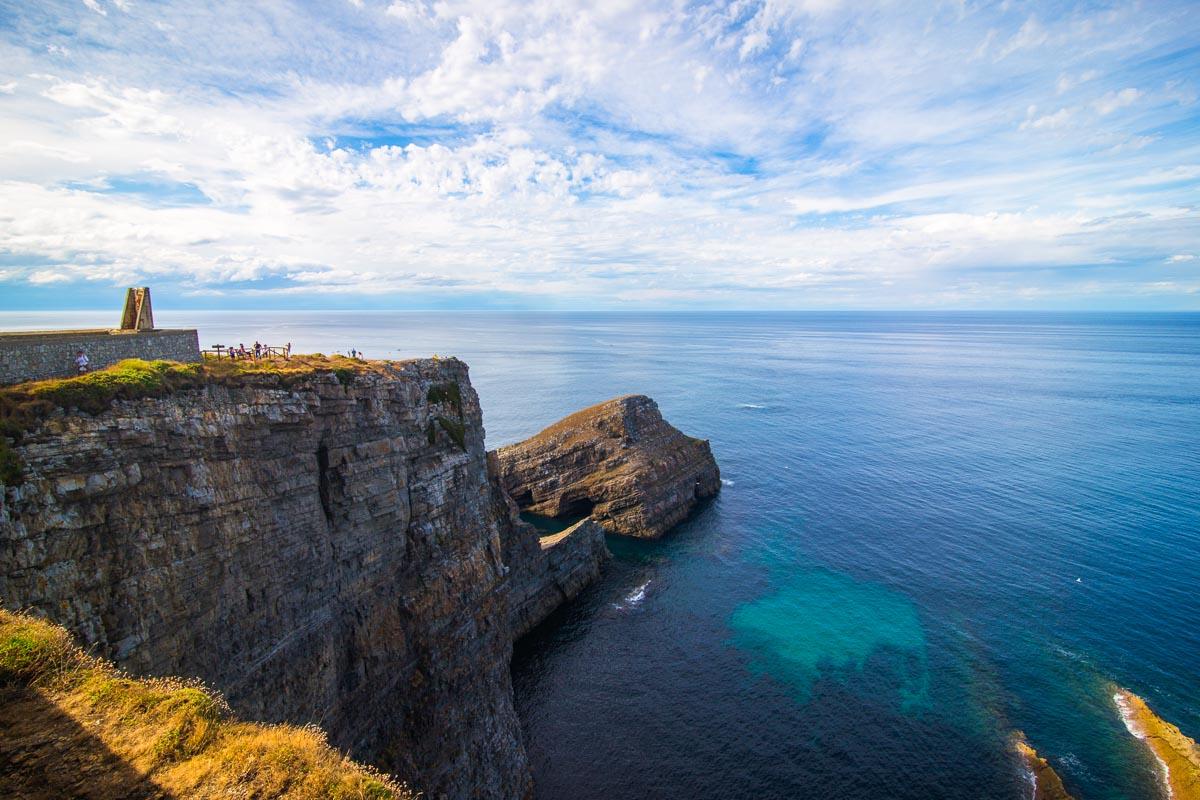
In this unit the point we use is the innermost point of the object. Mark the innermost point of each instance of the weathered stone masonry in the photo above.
(35, 355)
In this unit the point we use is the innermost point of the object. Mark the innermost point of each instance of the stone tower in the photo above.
(138, 315)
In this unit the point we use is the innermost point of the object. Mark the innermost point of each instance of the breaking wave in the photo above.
(634, 598)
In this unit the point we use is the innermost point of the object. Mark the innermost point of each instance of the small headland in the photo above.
(75, 726)
(1046, 783)
(618, 462)
(1177, 754)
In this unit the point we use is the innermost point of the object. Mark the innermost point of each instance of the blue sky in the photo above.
(552, 154)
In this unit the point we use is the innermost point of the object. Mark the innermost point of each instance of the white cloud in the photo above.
(647, 152)
(25, 148)
(1053, 121)
(1066, 82)
(1031, 34)
(753, 43)
(1115, 100)
(406, 10)
(1181, 258)
(94, 5)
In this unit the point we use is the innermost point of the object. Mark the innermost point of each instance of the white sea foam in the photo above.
(750, 405)
(726, 482)
(634, 598)
(1131, 724)
(1031, 778)
(1073, 765)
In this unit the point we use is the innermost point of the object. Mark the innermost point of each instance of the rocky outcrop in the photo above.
(1177, 754)
(618, 462)
(1046, 783)
(545, 571)
(324, 549)
(325, 541)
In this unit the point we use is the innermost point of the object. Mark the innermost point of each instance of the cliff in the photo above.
(619, 462)
(545, 571)
(76, 727)
(324, 542)
(320, 542)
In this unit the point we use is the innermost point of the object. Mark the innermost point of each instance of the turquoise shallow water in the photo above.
(937, 528)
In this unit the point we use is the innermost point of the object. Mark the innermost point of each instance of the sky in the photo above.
(778, 154)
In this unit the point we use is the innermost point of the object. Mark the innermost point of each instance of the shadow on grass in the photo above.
(45, 754)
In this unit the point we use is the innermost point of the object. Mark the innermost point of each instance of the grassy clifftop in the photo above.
(23, 405)
(75, 726)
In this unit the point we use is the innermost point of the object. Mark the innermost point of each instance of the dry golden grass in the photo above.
(176, 735)
(579, 425)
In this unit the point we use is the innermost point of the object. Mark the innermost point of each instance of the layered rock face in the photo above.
(318, 552)
(618, 462)
(334, 547)
(546, 571)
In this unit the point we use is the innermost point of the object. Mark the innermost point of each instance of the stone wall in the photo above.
(51, 354)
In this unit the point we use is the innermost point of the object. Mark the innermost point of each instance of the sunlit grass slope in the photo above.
(69, 722)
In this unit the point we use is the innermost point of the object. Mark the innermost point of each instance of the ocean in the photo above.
(936, 529)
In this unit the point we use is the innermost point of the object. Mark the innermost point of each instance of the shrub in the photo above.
(448, 392)
(455, 430)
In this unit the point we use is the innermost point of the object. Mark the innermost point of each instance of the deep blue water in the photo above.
(936, 529)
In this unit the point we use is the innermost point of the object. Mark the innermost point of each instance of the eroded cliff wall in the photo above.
(619, 462)
(544, 571)
(326, 551)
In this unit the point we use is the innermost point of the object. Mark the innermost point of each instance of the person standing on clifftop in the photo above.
(81, 362)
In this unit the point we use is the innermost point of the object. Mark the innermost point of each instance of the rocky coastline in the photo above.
(1176, 754)
(330, 545)
(618, 462)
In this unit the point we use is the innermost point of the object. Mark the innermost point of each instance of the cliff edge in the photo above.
(317, 539)
(323, 541)
(618, 462)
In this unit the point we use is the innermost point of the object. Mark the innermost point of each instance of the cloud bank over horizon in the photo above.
(557, 154)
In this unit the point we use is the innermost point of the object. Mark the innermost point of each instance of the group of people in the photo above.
(259, 350)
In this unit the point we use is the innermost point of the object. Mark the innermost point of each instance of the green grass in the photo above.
(24, 405)
(455, 430)
(31, 650)
(449, 392)
(127, 380)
